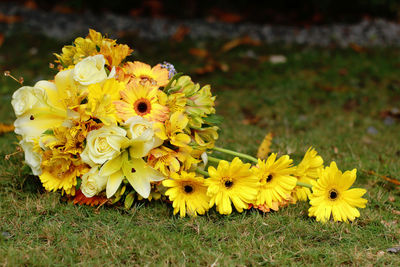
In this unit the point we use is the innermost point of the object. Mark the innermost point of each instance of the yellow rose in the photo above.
(93, 183)
(32, 158)
(141, 134)
(90, 70)
(103, 144)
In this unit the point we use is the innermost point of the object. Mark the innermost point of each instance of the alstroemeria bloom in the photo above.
(136, 171)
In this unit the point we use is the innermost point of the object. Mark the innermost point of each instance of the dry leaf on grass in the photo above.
(6, 128)
(265, 147)
(180, 33)
(198, 52)
(391, 180)
(9, 19)
(246, 40)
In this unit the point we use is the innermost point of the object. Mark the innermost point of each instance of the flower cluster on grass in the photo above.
(108, 127)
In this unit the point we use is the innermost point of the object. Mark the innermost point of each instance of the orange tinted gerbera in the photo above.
(140, 100)
(142, 73)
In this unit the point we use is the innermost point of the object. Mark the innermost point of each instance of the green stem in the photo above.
(212, 159)
(303, 184)
(234, 153)
(204, 173)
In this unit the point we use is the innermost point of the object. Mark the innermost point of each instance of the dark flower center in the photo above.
(188, 189)
(333, 194)
(228, 184)
(133, 170)
(31, 118)
(142, 106)
(269, 178)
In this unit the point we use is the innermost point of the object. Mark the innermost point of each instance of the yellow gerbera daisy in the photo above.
(331, 195)
(142, 73)
(307, 172)
(275, 178)
(232, 182)
(188, 193)
(140, 100)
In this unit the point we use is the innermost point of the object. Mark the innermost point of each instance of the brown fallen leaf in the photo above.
(397, 212)
(9, 19)
(198, 52)
(30, 4)
(210, 66)
(6, 128)
(63, 9)
(228, 17)
(265, 147)
(249, 117)
(245, 40)
(357, 48)
(391, 180)
(180, 33)
(1, 39)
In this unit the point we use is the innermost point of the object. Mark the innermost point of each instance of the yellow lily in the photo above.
(135, 170)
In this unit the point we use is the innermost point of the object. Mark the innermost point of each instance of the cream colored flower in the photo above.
(32, 158)
(37, 109)
(25, 99)
(90, 70)
(142, 138)
(93, 183)
(103, 144)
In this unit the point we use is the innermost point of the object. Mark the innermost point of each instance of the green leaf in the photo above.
(48, 132)
(176, 77)
(213, 119)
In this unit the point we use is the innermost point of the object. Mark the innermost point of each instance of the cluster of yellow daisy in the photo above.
(125, 130)
(268, 185)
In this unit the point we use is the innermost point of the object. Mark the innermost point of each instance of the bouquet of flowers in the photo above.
(116, 130)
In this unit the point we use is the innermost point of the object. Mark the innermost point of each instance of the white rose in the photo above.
(25, 99)
(103, 144)
(90, 70)
(142, 138)
(32, 158)
(93, 183)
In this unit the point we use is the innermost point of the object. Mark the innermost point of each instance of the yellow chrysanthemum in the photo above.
(307, 172)
(232, 182)
(60, 171)
(331, 195)
(188, 193)
(140, 100)
(142, 73)
(92, 45)
(275, 178)
(100, 100)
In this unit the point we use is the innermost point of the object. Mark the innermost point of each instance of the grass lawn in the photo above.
(336, 100)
